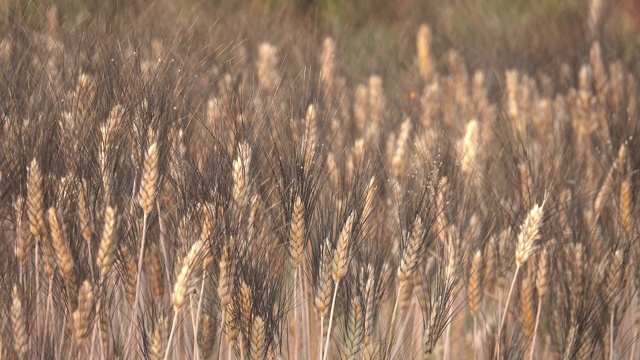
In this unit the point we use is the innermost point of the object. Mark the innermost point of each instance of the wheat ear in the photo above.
(296, 248)
(324, 289)
(224, 289)
(525, 247)
(257, 339)
(158, 341)
(82, 315)
(185, 283)
(339, 270)
(542, 285)
(355, 326)
(20, 336)
(405, 270)
(108, 244)
(63, 252)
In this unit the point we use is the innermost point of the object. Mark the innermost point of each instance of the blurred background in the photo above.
(374, 36)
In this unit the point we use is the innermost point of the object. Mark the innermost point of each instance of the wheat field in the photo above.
(199, 193)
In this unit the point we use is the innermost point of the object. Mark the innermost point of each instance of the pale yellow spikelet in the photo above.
(20, 335)
(341, 254)
(267, 67)
(616, 278)
(258, 339)
(224, 281)
(149, 180)
(489, 273)
(208, 215)
(154, 267)
(241, 167)
(82, 316)
(470, 147)
(542, 274)
(370, 194)
(86, 224)
(409, 258)
(245, 305)
(206, 338)
(599, 71)
(35, 200)
(596, 10)
(626, 203)
(296, 234)
(605, 191)
(355, 328)
(25, 240)
(529, 234)
(310, 136)
(327, 67)
(230, 323)
(398, 161)
(526, 184)
(361, 106)
(187, 275)
(61, 249)
(451, 248)
(512, 84)
(324, 287)
(475, 284)
(158, 341)
(527, 307)
(35, 214)
(369, 309)
(129, 273)
(377, 106)
(108, 244)
(423, 46)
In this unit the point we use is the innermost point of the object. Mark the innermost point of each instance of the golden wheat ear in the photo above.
(20, 335)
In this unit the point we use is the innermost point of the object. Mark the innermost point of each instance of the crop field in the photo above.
(319, 179)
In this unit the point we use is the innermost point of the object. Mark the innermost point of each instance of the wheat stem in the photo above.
(222, 322)
(195, 331)
(138, 274)
(393, 318)
(504, 313)
(333, 304)
(295, 314)
(611, 347)
(535, 329)
(321, 336)
(174, 324)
